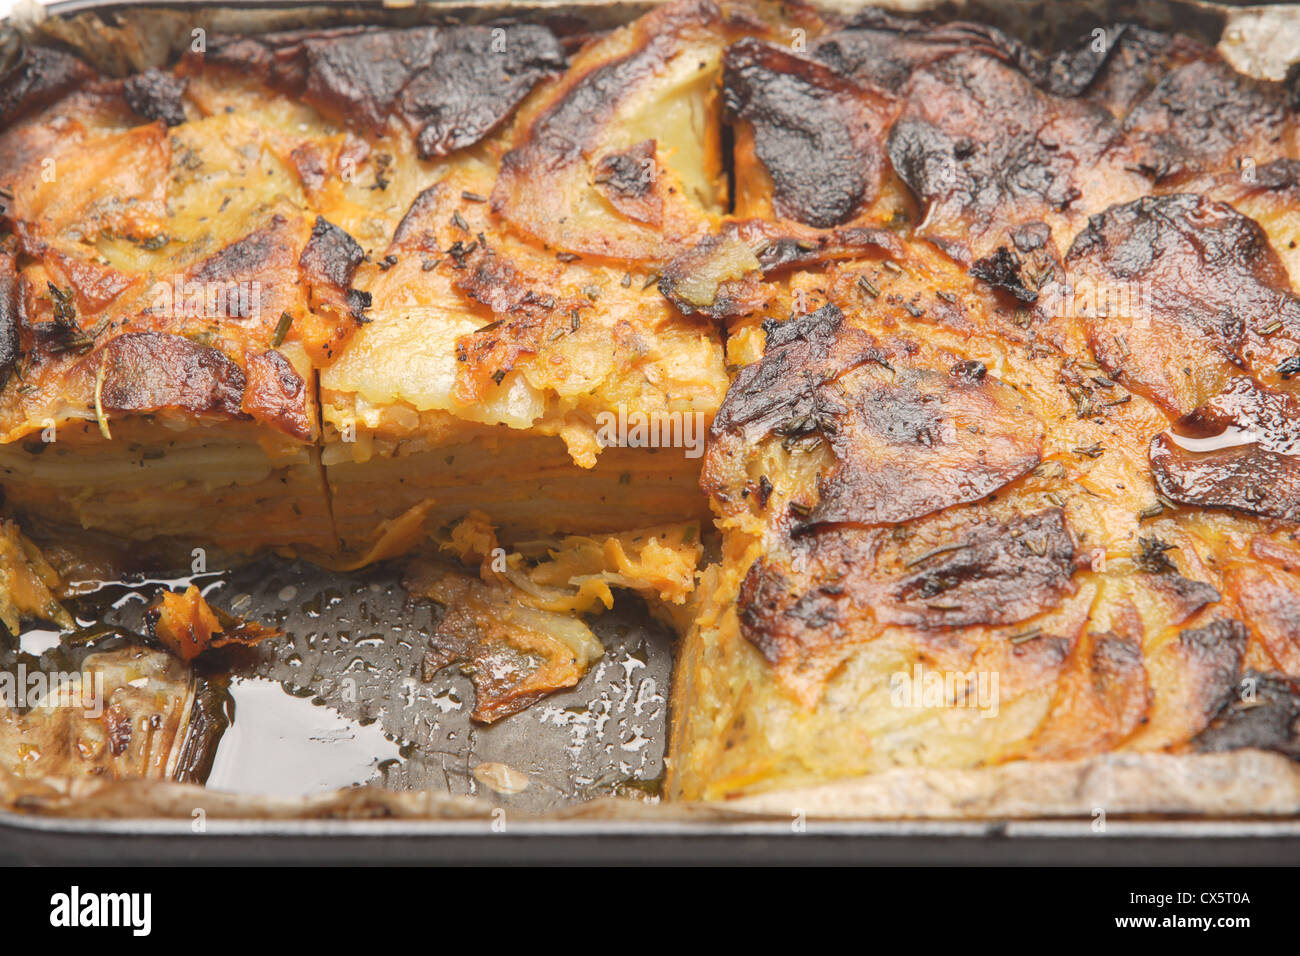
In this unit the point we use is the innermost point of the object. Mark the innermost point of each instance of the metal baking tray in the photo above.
(340, 699)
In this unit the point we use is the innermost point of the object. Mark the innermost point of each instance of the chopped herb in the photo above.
(1089, 451)
(1082, 401)
(460, 252)
(468, 196)
(281, 330)
(65, 309)
(866, 286)
(1025, 636)
(68, 334)
(100, 417)
(459, 222)
(382, 162)
(1151, 556)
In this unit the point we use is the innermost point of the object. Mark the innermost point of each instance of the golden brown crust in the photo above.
(541, 184)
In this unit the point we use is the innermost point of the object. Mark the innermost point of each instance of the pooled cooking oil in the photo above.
(284, 745)
(342, 699)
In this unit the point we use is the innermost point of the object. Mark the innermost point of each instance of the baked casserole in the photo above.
(939, 390)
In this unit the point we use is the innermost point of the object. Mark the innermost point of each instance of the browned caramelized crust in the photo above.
(802, 608)
(1179, 294)
(1267, 721)
(39, 76)
(906, 442)
(450, 85)
(987, 150)
(151, 371)
(156, 95)
(1044, 444)
(553, 183)
(9, 317)
(815, 131)
(1205, 115)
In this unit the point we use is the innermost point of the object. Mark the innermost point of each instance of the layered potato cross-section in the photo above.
(516, 328)
(306, 284)
(147, 391)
